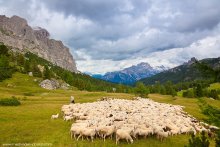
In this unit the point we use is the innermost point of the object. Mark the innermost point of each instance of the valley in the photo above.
(109, 73)
(30, 122)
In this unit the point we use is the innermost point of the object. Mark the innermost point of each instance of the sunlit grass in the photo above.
(215, 86)
(30, 122)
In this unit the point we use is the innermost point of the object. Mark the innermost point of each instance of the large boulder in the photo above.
(50, 84)
(64, 86)
(54, 84)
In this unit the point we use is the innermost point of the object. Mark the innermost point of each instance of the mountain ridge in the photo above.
(131, 74)
(16, 33)
(194, 69)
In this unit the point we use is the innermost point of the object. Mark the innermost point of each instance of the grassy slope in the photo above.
(201, 70)
(31, 123)
(215, 86)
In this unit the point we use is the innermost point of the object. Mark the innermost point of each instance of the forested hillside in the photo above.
(11, 62)
(194, 70)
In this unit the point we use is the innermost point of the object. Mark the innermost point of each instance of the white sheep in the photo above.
(107, 131)
(123, 134)
(143, 132)
(68, 118)
(87, 132)
(161, 135)
(75, 131)
(55, 116)
(140, 117)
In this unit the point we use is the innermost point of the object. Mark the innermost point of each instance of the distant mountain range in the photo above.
(131, 74)
(206, 69)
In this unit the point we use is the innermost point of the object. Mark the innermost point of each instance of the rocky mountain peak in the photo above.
(16, 32)
(191, 61)
(131, 74)
(41, 33)
(144, 64)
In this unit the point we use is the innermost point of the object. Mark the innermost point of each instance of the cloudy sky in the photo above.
(108, 35)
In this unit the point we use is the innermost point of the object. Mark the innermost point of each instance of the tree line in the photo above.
(11, 62)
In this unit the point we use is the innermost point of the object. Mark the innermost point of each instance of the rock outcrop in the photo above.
(16, 32)
(49, 84)
(53, 84)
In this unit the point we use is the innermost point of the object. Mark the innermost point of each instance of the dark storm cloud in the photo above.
(98, 10)
(116, 22)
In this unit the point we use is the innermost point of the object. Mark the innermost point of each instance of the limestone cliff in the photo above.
(16, 32)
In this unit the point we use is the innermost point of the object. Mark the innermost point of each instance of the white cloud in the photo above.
(60, 26)
(208, 47)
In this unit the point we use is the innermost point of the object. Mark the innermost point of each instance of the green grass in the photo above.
(30, 122)
(215, 86)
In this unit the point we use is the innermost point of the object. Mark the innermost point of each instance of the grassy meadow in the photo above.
(31, 123)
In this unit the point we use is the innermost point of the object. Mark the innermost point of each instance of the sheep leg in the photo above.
(127, 140)
(117, 139)
(134, 136)
(130, 139)
(71, 134)
(104, 137)
(79, 137)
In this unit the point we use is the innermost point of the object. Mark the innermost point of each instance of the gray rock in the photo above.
(30, 74)
(16, 33)
(64, 86)
(49, 84)
(54, 84)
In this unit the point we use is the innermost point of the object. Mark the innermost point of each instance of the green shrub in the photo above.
(214, 94)
(199, 141)
(141, 90)
(188, 93)
(211, 112)
(217, 139)
(10, 102)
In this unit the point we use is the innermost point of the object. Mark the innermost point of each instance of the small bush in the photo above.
(10, 102)
(199, 141)
(214, 94)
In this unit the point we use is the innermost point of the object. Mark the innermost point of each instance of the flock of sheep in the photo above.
(130, 119)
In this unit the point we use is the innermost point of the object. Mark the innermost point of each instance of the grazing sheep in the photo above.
(143, 132)
(55, 116)
(67, 118)
(87, 132)
(130, 118)
(161, 135)
(123, 134)
(107, 131)
(75, 131)
(214, 127)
